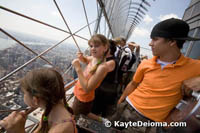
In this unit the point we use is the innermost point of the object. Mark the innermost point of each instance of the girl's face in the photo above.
(97, 50)
(28, 99)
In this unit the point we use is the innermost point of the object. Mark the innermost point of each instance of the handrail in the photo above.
(70, 84)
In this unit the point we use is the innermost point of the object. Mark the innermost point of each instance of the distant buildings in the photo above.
(13, 57)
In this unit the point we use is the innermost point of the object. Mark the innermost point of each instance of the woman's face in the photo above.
(97, 50)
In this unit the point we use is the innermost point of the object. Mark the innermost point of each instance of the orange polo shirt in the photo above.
(78, 89)
(159, 90)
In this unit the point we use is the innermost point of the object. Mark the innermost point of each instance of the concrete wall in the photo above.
(192, 17)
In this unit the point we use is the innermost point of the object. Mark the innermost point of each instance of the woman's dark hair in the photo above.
(46, 84)
(112, 47)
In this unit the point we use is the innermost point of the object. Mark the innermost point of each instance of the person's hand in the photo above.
(193, 83)
(14, 123)
(120, 100)
(81, 57)
(137, 47)
(76, 64)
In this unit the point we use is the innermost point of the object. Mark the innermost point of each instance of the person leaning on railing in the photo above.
(156, 86)
(91, 77)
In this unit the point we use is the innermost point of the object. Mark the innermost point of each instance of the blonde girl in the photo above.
(94, 73)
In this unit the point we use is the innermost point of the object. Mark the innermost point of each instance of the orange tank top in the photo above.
(78, 89)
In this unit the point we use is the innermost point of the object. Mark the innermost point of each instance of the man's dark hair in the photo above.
(180, 43)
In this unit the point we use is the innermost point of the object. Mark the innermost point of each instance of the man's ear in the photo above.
(172, 43)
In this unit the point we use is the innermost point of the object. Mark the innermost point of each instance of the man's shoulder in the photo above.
(148, 61)
(192, 61)
(146, 64)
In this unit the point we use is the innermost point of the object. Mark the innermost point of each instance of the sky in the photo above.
(159, 10)
(45, 10)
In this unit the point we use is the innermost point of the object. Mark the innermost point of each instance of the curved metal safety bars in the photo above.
(67, 26)
(126, 13)
(30, 61)
(112, 21)
(38, 21)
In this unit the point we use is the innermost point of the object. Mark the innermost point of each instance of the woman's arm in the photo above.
(82, 58)
(95, 79)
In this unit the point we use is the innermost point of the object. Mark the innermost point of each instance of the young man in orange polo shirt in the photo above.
(156, 86)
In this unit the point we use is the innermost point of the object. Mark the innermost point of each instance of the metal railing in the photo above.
(106, 9)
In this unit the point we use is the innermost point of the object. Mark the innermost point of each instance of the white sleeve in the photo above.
(129, 53)
(116, 52)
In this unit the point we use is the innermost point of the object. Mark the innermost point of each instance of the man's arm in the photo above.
(128, 90)
(193, 83)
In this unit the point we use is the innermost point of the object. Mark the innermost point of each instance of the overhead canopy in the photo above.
(123, 16)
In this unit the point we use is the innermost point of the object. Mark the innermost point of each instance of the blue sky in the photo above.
(159, 10)
(46, 11)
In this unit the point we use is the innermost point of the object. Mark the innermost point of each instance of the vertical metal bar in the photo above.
(127, 18)
(86, 17)
(105, 15)
(98, 22)
(67, 25)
